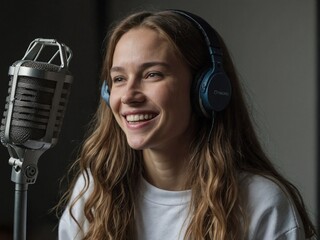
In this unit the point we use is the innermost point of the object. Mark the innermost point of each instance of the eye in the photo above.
(154, 75)
(117, 79)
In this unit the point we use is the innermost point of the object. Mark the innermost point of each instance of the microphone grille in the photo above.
(32, 106)
(39, 65)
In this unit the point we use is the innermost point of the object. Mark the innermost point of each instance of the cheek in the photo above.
(114, 100)
(182, 103)
(114, 104)
(176, 100)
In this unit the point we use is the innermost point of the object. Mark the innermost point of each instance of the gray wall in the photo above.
(273, 44)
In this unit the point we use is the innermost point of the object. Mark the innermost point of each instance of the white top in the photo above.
(163, 214)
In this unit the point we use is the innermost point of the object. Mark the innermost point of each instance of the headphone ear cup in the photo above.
(213, 91)
(105, 93)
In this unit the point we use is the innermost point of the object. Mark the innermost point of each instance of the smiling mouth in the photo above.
(133, 118)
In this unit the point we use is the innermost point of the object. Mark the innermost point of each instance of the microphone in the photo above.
(37, 97)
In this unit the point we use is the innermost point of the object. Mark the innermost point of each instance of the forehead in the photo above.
(143, 32)
(143, 42)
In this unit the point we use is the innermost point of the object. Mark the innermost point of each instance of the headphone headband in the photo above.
(207, 30)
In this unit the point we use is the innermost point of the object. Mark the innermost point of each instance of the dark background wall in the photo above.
(247, 27)
(318, 115)
(80, 25)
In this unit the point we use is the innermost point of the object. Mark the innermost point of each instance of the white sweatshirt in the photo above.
(163, 214)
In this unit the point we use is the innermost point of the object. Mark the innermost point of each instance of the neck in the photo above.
(166, 169)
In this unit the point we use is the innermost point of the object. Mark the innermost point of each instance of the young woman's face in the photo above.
(150, 94)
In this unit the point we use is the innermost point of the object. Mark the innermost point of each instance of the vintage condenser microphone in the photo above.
(37, 97)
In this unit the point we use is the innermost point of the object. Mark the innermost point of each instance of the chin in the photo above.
(136, 145)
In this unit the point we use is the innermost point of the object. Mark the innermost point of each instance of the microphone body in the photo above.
(37, 97)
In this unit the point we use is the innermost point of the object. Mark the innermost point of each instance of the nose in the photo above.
(133, 93)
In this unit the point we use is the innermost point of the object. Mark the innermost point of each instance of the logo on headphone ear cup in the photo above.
(105, 93)
(213, 91)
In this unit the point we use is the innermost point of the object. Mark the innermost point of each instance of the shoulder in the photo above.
(255, 188)
(271, 212)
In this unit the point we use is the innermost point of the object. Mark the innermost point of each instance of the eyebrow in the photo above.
(142, 66)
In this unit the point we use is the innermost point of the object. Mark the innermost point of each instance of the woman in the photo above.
(161, 164)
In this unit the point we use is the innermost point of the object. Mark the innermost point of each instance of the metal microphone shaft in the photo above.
(20, 213)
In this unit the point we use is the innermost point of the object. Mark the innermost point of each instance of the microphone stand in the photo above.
(24, 172)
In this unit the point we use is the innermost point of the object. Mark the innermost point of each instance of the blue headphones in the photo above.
(212, 88)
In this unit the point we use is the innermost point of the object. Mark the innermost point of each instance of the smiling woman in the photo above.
(172, 153)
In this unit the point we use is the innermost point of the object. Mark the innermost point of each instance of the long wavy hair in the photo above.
(214, 165)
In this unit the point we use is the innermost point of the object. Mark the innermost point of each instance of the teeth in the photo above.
(139, 117)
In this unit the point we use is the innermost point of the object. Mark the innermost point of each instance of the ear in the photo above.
(105, 93)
